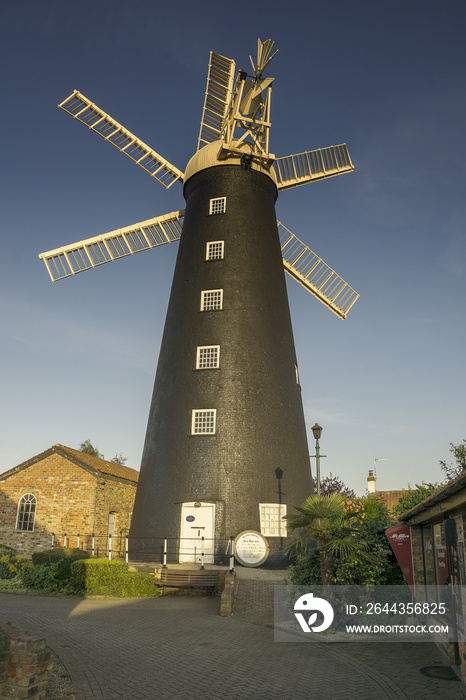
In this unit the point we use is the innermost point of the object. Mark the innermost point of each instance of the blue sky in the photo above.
(78, 357)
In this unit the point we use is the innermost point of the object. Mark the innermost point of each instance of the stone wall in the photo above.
(24, 668)
(227, 593)
(418, 556)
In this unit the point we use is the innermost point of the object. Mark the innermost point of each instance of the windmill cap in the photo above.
(207, 157)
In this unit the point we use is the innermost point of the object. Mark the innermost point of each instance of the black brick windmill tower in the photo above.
(226, 447)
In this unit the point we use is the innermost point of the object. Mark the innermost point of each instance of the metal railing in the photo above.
(201, 551)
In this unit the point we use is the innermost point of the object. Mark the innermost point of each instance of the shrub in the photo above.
(112, 578)
(412, 497)
(306, 570)
(49, 577)
(67, 555)
(12, 584)
(10, 562)
(51, 569)
(372, 519)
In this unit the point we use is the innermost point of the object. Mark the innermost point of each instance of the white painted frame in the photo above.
(29, 513)
(215, 245)
(271, 519)
(207, 297)
(199, 362)
(218, 205)
(212, 426)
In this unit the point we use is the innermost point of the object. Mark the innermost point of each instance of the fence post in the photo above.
(126, 548)
(53, 540)
(202, 553)
(109, 546)
(164, 563)
(93, 544)
(232, 555)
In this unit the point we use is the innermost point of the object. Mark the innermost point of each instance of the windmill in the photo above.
(226, 447)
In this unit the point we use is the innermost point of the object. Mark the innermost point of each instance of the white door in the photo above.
(197, 532)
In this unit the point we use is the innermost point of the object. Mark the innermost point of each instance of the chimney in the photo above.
(371, 482)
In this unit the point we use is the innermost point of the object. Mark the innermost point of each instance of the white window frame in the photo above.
(209, 247)
(28, 514)
(217, 205)
(204, 294)
(271, 519)
(198, 412)
(200, 363)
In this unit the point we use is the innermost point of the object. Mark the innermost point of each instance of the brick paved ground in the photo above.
(178, 648)
(254, 594)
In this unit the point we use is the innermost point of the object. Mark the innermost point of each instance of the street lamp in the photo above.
(317, 432)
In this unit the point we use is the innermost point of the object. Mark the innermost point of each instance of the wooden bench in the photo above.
(179, 578)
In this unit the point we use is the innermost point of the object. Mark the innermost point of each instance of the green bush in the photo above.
(112, 578)
(306, 570)
(66, 555)
(380, 569)
(51, 569)
(49, 577)
(10, 562)
(12, 584)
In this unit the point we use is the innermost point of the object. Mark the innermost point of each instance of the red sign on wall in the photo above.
(399, 537)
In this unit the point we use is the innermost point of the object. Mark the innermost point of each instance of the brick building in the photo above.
(434, 533)
(66, 493)
(390, 498)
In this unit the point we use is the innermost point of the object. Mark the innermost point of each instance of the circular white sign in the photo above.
(251, 548)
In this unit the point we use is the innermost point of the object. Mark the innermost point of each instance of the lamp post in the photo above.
(317, 432)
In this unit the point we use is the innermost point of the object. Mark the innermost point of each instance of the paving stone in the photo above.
(178, 648)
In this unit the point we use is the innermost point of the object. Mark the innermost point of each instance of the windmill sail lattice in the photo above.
(309, 166)
(217, 98)
(226, 448)
(313, 274)
(84, 255)
(140, 153)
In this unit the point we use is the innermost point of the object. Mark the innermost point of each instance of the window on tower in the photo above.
(208, 357)
(214, 250)
(271, 518)
(26, 512)
(203, 421)
(218, 205)
(212, 300)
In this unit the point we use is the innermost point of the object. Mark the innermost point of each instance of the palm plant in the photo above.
(323, 520)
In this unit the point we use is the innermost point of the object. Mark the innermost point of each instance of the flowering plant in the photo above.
(354, 511)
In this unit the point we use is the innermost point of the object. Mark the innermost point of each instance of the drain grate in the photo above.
(442, 673)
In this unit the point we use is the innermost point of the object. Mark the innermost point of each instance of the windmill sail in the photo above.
(299, 261)
(306, 167)
(313, 274)
(140, 153)
(264, 49)
(77, 257)
(217, 98)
